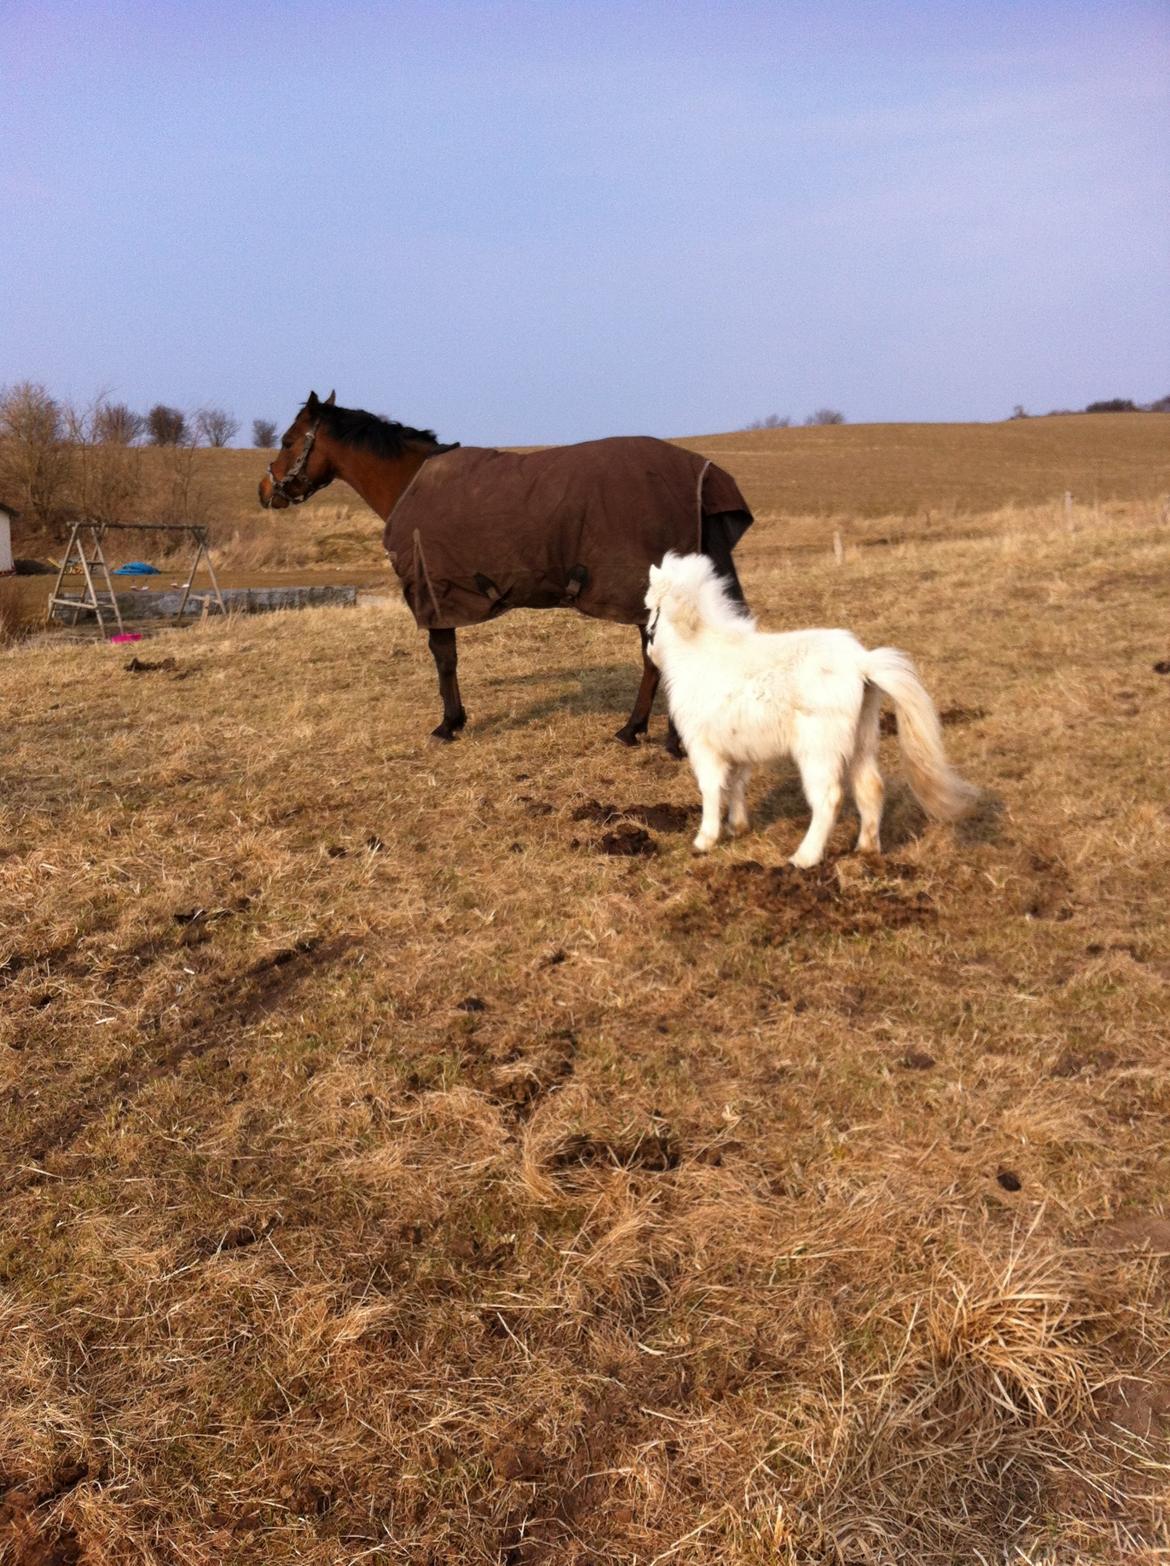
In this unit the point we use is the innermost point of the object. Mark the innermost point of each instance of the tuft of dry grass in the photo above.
(11, 616)
(396, 1175)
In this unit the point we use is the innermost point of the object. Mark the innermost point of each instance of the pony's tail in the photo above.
(938, 788)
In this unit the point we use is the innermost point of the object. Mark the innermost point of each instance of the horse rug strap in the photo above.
(479, 531)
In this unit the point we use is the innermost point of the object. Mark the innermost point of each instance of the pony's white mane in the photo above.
(693, 596)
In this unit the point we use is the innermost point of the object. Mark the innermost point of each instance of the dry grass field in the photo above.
(414, 1156)
(917, 473)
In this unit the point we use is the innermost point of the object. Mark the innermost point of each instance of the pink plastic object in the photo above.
(126, 636)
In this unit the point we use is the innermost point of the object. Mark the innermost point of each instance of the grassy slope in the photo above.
(394, 1175)
(868, 470)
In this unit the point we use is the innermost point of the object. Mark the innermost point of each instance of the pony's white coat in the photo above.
(739, 696)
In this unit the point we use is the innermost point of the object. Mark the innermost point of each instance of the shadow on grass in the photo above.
(597, 689)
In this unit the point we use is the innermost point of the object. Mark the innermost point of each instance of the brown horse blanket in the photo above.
(479, 531)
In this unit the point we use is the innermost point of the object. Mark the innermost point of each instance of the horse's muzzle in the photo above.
(271, 498)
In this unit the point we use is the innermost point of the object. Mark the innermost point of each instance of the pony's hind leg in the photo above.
(865, 780)
(737, 814)
(711, 775)
(639, 720)
(820, 777)
(445, 654)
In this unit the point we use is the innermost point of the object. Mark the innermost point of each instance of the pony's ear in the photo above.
(655, 573)
(331, 399)
(311, 400)
(683, 612)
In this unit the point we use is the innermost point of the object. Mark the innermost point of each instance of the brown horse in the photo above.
(473, 532)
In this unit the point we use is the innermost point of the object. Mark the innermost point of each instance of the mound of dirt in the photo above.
(949, 717)
(1137, 1232)
(775, 903)
(659, 818)
(628, 840)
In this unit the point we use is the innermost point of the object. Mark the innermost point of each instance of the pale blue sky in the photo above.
(551, 221)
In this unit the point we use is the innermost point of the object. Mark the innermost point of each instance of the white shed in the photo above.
(7, 516)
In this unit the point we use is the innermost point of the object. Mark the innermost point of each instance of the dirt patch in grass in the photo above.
(627, 842)
(659, 818)
(778, 903)
(949, 717)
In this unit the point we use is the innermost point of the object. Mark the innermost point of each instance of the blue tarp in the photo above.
(136, 568)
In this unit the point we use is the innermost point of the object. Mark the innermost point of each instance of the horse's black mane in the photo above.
(371, 432)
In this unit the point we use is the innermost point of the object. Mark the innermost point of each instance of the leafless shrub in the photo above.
(263, 434)
(825, 416)
(772, 421)
(34, 455)
(114, 424)
(166, 426)
(216, 425)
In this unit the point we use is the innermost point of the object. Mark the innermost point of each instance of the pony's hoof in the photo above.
(703, 845)
(676, 748)
(738, 828)
(446, 732)
(628, 735)
(804, 864)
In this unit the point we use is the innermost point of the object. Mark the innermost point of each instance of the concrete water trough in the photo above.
(237, 600)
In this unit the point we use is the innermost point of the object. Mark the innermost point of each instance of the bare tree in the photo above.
(216, 425)
(116, 425)
(263, 434)
(34, 455)
(825, 416)
(773, 421)
(106, 472)
(176, 492)
(166, 426)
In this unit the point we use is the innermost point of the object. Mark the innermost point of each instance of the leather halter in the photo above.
(280, 485)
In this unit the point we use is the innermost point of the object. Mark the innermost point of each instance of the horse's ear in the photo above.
(311, 400)
(331, 399)
(655, 573)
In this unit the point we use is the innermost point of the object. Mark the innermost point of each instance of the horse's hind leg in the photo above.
(716, 545)
(639, 720)
(445, 654)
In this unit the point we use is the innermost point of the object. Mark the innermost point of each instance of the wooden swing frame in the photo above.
(88, 535)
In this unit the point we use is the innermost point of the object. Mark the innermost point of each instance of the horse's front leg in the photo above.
(639, 720)
(445, 654)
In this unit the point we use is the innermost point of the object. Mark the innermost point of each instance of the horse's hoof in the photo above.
(676, 748)
(459, 722)
(444, 732)
(628, 736)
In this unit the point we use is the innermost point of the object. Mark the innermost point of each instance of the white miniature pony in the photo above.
(739, 696)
